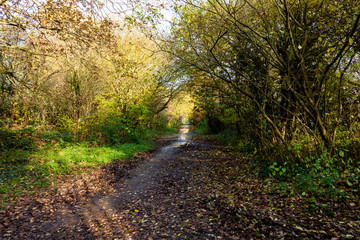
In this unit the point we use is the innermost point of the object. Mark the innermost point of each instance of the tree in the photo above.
(67, 64)
(292, 60)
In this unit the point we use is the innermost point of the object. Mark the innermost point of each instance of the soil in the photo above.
(189, 188)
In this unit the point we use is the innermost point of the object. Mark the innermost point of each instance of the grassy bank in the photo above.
(26, 171)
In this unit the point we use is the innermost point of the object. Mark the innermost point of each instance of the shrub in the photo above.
(16, 139)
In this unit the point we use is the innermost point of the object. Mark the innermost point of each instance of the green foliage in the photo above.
(240, 141)
(315, 177)
(278, 170)
(115, 131)
(203, 127)
(111, 126)
(16, 139)
(66, 123)
(230, 137)
(299, 181)
(321, 185)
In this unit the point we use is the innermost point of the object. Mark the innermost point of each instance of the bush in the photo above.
(325, 186)
(115, 131)
(16, 139)
(203, 127)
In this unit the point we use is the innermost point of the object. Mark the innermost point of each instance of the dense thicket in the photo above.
(284, 75)
(66, 65)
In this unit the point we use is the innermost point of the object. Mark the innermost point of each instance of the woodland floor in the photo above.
(186, 189)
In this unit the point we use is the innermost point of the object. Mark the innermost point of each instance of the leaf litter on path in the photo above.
(194, 190)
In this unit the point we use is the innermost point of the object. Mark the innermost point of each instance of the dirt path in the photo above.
(145, 199)
(187, 189)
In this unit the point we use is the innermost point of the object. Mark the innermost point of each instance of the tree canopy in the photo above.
(288, 69)
(71, 65)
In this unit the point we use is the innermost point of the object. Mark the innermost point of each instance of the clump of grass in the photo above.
(65, 160)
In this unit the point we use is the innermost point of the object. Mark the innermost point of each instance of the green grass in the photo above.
(65, 160)
(27, 171)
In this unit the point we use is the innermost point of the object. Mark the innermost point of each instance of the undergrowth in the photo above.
(311, 178)
(35, 161)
